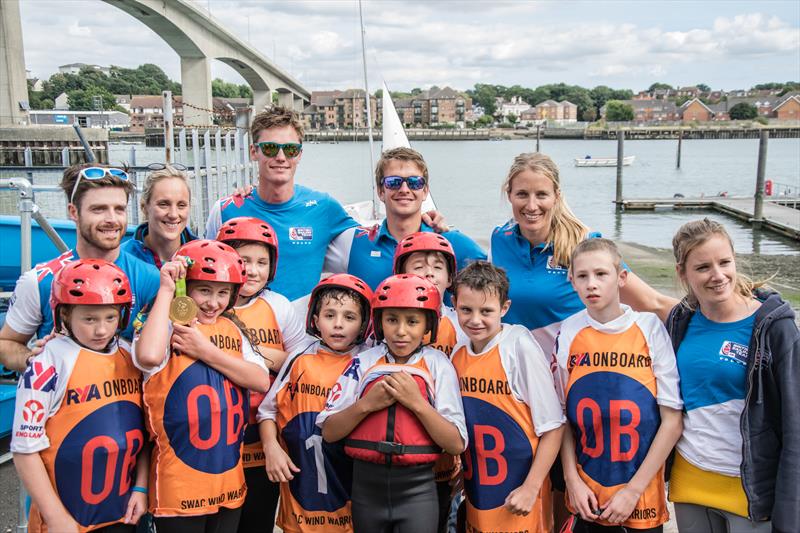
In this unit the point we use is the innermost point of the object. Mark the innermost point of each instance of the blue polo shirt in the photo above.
(305, 225)
(30, 310)
(369, 252)
(540, 291)
(138, 249)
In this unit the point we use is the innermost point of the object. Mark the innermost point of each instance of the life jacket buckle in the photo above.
(393, 448)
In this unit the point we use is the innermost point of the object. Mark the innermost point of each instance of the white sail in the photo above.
(394, 136)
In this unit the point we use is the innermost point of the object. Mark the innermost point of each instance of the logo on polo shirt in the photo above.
(301, 234)
(733, 352)
(555, 267)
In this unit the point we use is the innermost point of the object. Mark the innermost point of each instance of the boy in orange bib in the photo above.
(195, 393)
(78, 426)
(431, 256)
(622, 401)
(397, 407)
(513, 414)
(276, 329)
(315, 476)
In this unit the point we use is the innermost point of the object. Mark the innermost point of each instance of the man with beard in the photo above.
(98, 203)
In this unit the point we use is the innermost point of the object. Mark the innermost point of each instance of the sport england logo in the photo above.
(301, 234)
(40, 377)
(733, 352)
(33, 412)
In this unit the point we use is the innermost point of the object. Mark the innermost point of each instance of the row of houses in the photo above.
(142, 112)
(348, 109)
(696, 92)
(550, 110)
(786, 107)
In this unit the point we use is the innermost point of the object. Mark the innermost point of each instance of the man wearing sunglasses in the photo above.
(98, 202)
(401, 176)
(305, 220)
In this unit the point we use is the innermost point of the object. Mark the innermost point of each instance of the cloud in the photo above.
(420, 43)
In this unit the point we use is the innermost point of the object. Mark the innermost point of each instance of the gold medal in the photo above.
(183, 309)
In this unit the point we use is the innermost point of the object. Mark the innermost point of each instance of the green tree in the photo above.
(83, 99)
(743, 111)
(617, 111)
(659, 85)
(703, 87)
(485, 121)
(511, 118)
(484, 95)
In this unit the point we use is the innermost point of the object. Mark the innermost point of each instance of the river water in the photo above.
(466, 177)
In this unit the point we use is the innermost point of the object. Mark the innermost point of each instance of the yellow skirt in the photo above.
(689, 484)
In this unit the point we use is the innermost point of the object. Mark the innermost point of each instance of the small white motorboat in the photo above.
(589, 161)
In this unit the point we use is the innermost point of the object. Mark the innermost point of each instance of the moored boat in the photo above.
(589, 161)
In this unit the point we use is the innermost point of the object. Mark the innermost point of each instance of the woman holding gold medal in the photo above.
(198, 363)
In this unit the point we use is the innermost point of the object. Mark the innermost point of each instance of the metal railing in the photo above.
(218, 162)
(28, 211)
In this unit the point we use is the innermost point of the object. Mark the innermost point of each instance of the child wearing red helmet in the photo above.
(195, 392)
(78, 426)
(431, 256)
(315, 476)
(398, 408)
(277, 330)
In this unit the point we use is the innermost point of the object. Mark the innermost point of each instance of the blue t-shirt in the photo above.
(305, 225)
(712, 362)
(137, 248)
(540, 291)
(369, 252)
(30, 310)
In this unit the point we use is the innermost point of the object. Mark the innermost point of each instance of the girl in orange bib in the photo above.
(195, 393)
(277, 330)
(78, 427)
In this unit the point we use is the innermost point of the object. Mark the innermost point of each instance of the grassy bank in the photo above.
(657, 267)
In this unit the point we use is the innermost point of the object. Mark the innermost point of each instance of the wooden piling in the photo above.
(538, 136)
(758, 208)
(620, 157)
(680, 141)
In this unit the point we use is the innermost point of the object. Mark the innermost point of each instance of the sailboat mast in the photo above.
(369, 112)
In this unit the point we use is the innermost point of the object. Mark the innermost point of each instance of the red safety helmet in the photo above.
(341, 281)
(214, 261)
(91, 282)
(255, 230)
(407, 291)
(424, 241)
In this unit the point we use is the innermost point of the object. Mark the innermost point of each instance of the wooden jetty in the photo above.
(781, 214)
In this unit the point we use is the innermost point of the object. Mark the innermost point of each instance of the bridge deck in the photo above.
(781, 215)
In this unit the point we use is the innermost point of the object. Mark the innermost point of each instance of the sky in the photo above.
(416, 43)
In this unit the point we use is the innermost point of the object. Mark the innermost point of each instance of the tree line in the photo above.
(82, 88)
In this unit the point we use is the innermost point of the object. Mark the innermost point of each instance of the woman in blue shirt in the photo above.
(738, 352)
(534, 248)
(166, 203)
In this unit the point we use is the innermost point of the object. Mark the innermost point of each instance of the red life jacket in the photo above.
(394, 435)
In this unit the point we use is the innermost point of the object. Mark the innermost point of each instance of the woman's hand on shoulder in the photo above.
(435, 219)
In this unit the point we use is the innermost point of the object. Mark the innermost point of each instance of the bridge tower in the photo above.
(13, 84)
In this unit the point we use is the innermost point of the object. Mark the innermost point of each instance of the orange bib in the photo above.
(95, 437)
(196, 418)
(317, 500)
(502, 445)
(263, 327)
(612, 410)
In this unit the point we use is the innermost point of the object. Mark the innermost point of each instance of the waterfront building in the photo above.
(115, 120)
